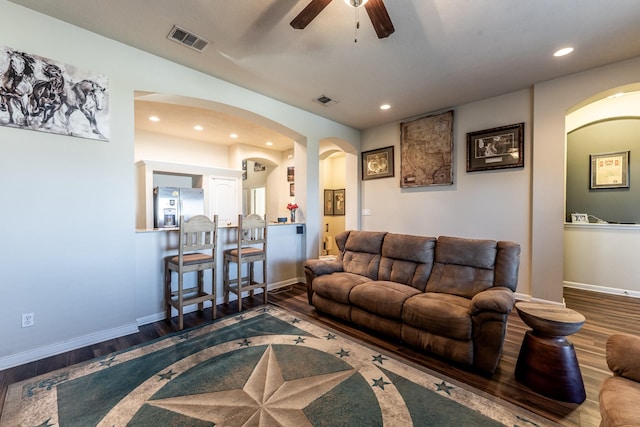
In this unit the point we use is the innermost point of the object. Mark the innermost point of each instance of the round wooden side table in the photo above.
(547, 363)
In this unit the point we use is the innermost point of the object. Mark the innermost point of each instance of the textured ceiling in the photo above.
(443, 53)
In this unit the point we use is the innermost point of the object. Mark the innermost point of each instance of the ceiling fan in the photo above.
(375, 8)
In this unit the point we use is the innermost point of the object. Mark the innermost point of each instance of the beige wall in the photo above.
(334, 178)
(552, 100)
(523, 205)
(603, 257)
(486, 205)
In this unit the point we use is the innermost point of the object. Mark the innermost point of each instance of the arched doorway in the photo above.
(339, 192)
(600, 255)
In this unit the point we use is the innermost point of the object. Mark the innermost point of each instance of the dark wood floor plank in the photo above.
(605, 315)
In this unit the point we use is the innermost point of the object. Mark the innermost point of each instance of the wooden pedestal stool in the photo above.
(547, 363)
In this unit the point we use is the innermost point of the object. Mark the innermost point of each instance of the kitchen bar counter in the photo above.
(276, 224)
(286, 243)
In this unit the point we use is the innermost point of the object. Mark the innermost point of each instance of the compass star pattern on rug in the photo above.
(266, 399)
(260, 368)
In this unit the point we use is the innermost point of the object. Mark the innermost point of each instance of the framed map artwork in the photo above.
(377, 163)
(426, 151)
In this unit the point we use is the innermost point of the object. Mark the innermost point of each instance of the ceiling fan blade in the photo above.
(309, 13)
(379, 18)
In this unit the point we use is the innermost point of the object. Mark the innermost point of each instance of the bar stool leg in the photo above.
(239, 286)
(167, 291)
(225, 281)
(214, 300)
(264, 279)
(201, 288)
(180, 301)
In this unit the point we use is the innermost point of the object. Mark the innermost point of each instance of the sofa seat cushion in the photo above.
(338, 286)
(442, 314)
(619, 402)
(382, 298)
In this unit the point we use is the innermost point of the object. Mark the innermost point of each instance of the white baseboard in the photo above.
(603, 289)
(32, 355)
(10, 361)
(156, 317)
(529, 298)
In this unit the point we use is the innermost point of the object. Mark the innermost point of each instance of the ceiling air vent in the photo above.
(325, 100)
(187, 38)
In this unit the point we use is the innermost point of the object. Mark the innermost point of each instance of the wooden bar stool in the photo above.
(196, 253)
(251, 248)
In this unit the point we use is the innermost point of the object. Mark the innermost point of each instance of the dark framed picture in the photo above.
(328, 202)
(292, 189)
(426, 151)
(610, 170)
(291, 173)
(377, 163)
(497, 148)
(338, 202)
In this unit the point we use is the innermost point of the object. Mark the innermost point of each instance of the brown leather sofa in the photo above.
(620, 393)
(447, 296)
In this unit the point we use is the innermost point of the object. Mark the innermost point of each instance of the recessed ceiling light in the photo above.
(385, 106)
(154, 118)
(234, 135)
(198, 127)
(269, 143)
(564, 51)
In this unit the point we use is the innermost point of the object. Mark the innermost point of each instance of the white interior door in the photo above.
(224, 201)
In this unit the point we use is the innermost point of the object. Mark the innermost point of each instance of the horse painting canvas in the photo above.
(40, 94)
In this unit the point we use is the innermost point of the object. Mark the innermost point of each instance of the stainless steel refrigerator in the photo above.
(169, 203)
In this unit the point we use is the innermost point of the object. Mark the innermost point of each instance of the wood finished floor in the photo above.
(605, 314)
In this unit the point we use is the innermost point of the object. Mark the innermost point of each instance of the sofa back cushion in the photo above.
(362, 253)
(507, 265)
(463, 267)
(407, 259)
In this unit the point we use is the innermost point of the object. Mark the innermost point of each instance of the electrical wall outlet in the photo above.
(27, 320)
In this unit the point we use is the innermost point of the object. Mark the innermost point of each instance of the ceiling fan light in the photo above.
(355, 3)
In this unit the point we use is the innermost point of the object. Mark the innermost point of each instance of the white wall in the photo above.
(486, 205)
(170, 149)
(72, 252)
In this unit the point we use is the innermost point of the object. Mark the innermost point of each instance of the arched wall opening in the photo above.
(175, 145)
(339, 191)
(599, 255)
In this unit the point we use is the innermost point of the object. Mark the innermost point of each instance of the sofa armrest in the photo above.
(499, 300)
(623, 356)
(489, 313)
(320, 266)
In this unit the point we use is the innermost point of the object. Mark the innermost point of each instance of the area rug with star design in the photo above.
(263, 367)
